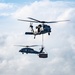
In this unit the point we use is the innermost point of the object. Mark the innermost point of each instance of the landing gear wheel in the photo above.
(22, 53)
(48, 33)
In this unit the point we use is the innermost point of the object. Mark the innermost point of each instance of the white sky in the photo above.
(60, 45)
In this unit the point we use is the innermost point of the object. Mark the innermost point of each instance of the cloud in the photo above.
(59, 45)
(5, 6)
(6, 9)
(43, 8)
(2, 40)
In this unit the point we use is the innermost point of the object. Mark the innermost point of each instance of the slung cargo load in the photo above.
(43, 55)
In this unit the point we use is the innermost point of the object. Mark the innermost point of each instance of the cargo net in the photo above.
(44, 54)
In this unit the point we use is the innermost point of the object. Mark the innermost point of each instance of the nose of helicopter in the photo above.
(19, 50)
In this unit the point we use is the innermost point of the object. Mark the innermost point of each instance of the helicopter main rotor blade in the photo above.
(27, 45)
(21, 46)
(55, 21)
(34, 45)
(34, 19)
(27, 20)
(37, 21)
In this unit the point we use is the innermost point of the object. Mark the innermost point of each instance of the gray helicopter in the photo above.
(41, 28)
(27, 49)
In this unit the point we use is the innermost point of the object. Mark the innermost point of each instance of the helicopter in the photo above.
(27, 50)
(41, 28)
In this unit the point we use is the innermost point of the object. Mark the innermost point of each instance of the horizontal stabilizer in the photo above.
(29, 33)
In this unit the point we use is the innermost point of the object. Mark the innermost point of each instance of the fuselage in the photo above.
(28, 50)
(46, 29)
